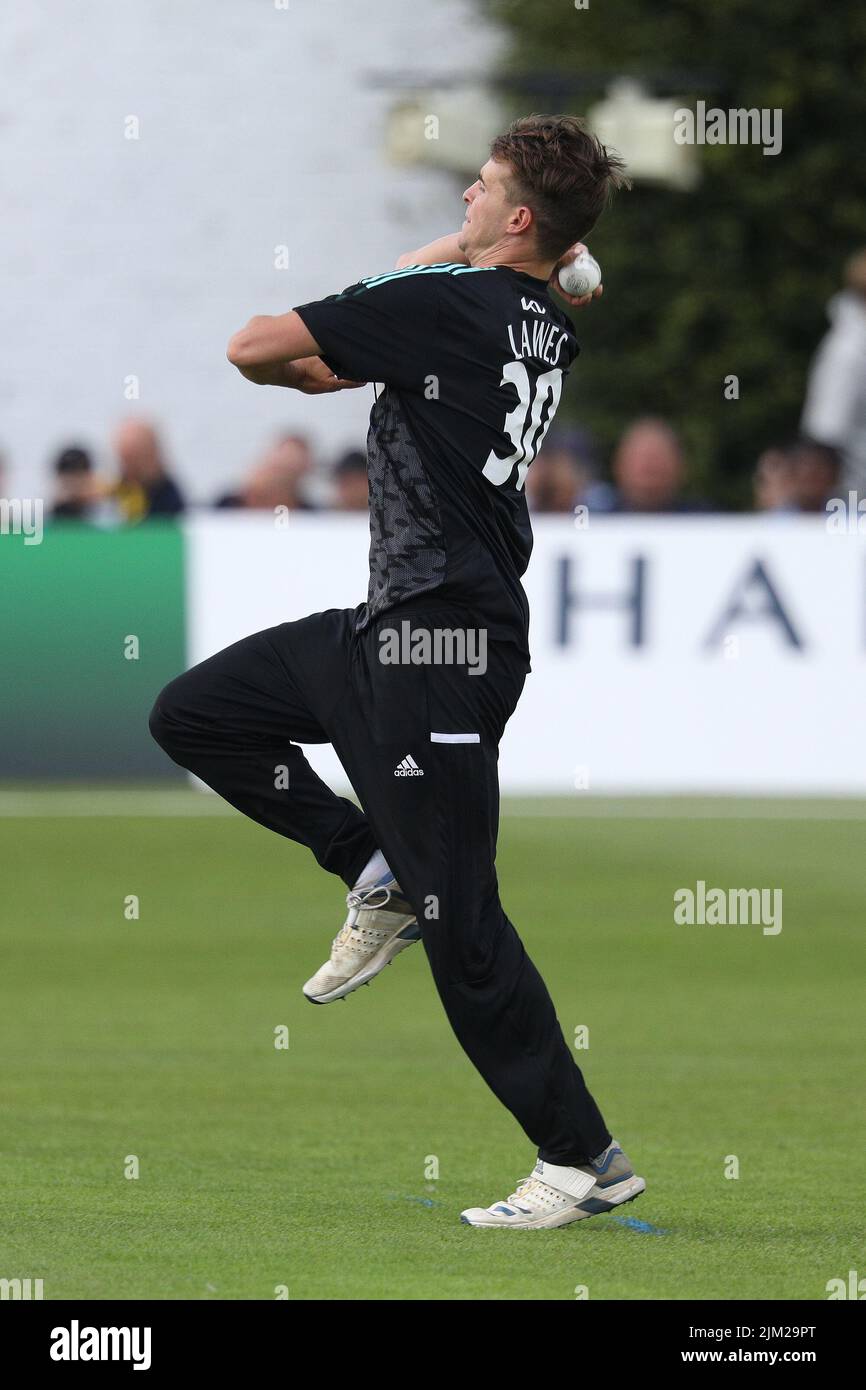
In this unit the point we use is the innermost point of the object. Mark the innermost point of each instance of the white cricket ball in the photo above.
(581, 276)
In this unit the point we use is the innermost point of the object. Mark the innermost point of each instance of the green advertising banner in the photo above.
(93, 626)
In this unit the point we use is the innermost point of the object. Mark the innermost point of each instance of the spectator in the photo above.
(77, 492)
(144, 488)
(835, 408)
(277, 481)
(648, 471)
(773, 484)
(816, 474)
(799, 476)
(350, 482)
(561, 473)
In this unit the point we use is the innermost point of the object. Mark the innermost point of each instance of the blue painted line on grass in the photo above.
(643, 1227)
(421, 1201)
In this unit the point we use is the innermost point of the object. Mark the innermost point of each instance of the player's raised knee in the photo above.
(162, 721)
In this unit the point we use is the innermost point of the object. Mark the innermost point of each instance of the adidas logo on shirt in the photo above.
(408, 768)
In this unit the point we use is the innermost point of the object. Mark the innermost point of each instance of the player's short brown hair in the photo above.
(563, 173)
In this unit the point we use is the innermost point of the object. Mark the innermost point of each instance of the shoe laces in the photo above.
(531, 1189)
(527, 1189)
(358, 900)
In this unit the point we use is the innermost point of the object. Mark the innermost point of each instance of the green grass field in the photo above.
(306, 1167)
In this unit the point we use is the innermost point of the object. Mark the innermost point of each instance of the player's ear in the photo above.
(526, 219)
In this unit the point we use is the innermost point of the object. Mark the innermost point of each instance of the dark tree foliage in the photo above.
(732, 277)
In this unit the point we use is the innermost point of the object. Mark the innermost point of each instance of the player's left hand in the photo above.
(317, 379)
(571, 254)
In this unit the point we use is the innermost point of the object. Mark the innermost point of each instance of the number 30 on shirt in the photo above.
(523, 424)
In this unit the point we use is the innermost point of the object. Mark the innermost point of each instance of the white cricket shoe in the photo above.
(379, 926)
(554, 1196)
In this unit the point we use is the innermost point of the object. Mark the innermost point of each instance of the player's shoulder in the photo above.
(501, 286)
(534, 296)
(418, 276)
(493, 286)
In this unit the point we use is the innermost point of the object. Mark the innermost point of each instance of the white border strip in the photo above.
(455, 738)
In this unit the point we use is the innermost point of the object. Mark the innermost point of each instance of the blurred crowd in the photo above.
(142, 483)
(648, 472)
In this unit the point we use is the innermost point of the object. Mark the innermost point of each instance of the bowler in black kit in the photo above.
(414, 687)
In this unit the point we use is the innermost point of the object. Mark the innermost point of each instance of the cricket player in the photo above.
(414, 687)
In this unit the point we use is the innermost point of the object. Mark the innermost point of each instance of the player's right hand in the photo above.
(571, 254)
(317, 379)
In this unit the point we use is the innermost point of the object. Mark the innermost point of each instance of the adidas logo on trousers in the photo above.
(408, 768)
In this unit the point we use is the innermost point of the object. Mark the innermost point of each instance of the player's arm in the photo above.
(381, 329)
(435, 253)
(279, 350)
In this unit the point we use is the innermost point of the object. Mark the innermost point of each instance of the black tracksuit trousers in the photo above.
(236, 720)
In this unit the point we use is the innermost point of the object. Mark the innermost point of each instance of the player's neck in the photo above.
(504, 255)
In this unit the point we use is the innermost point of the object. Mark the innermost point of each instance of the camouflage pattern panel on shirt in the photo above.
(407, 545)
